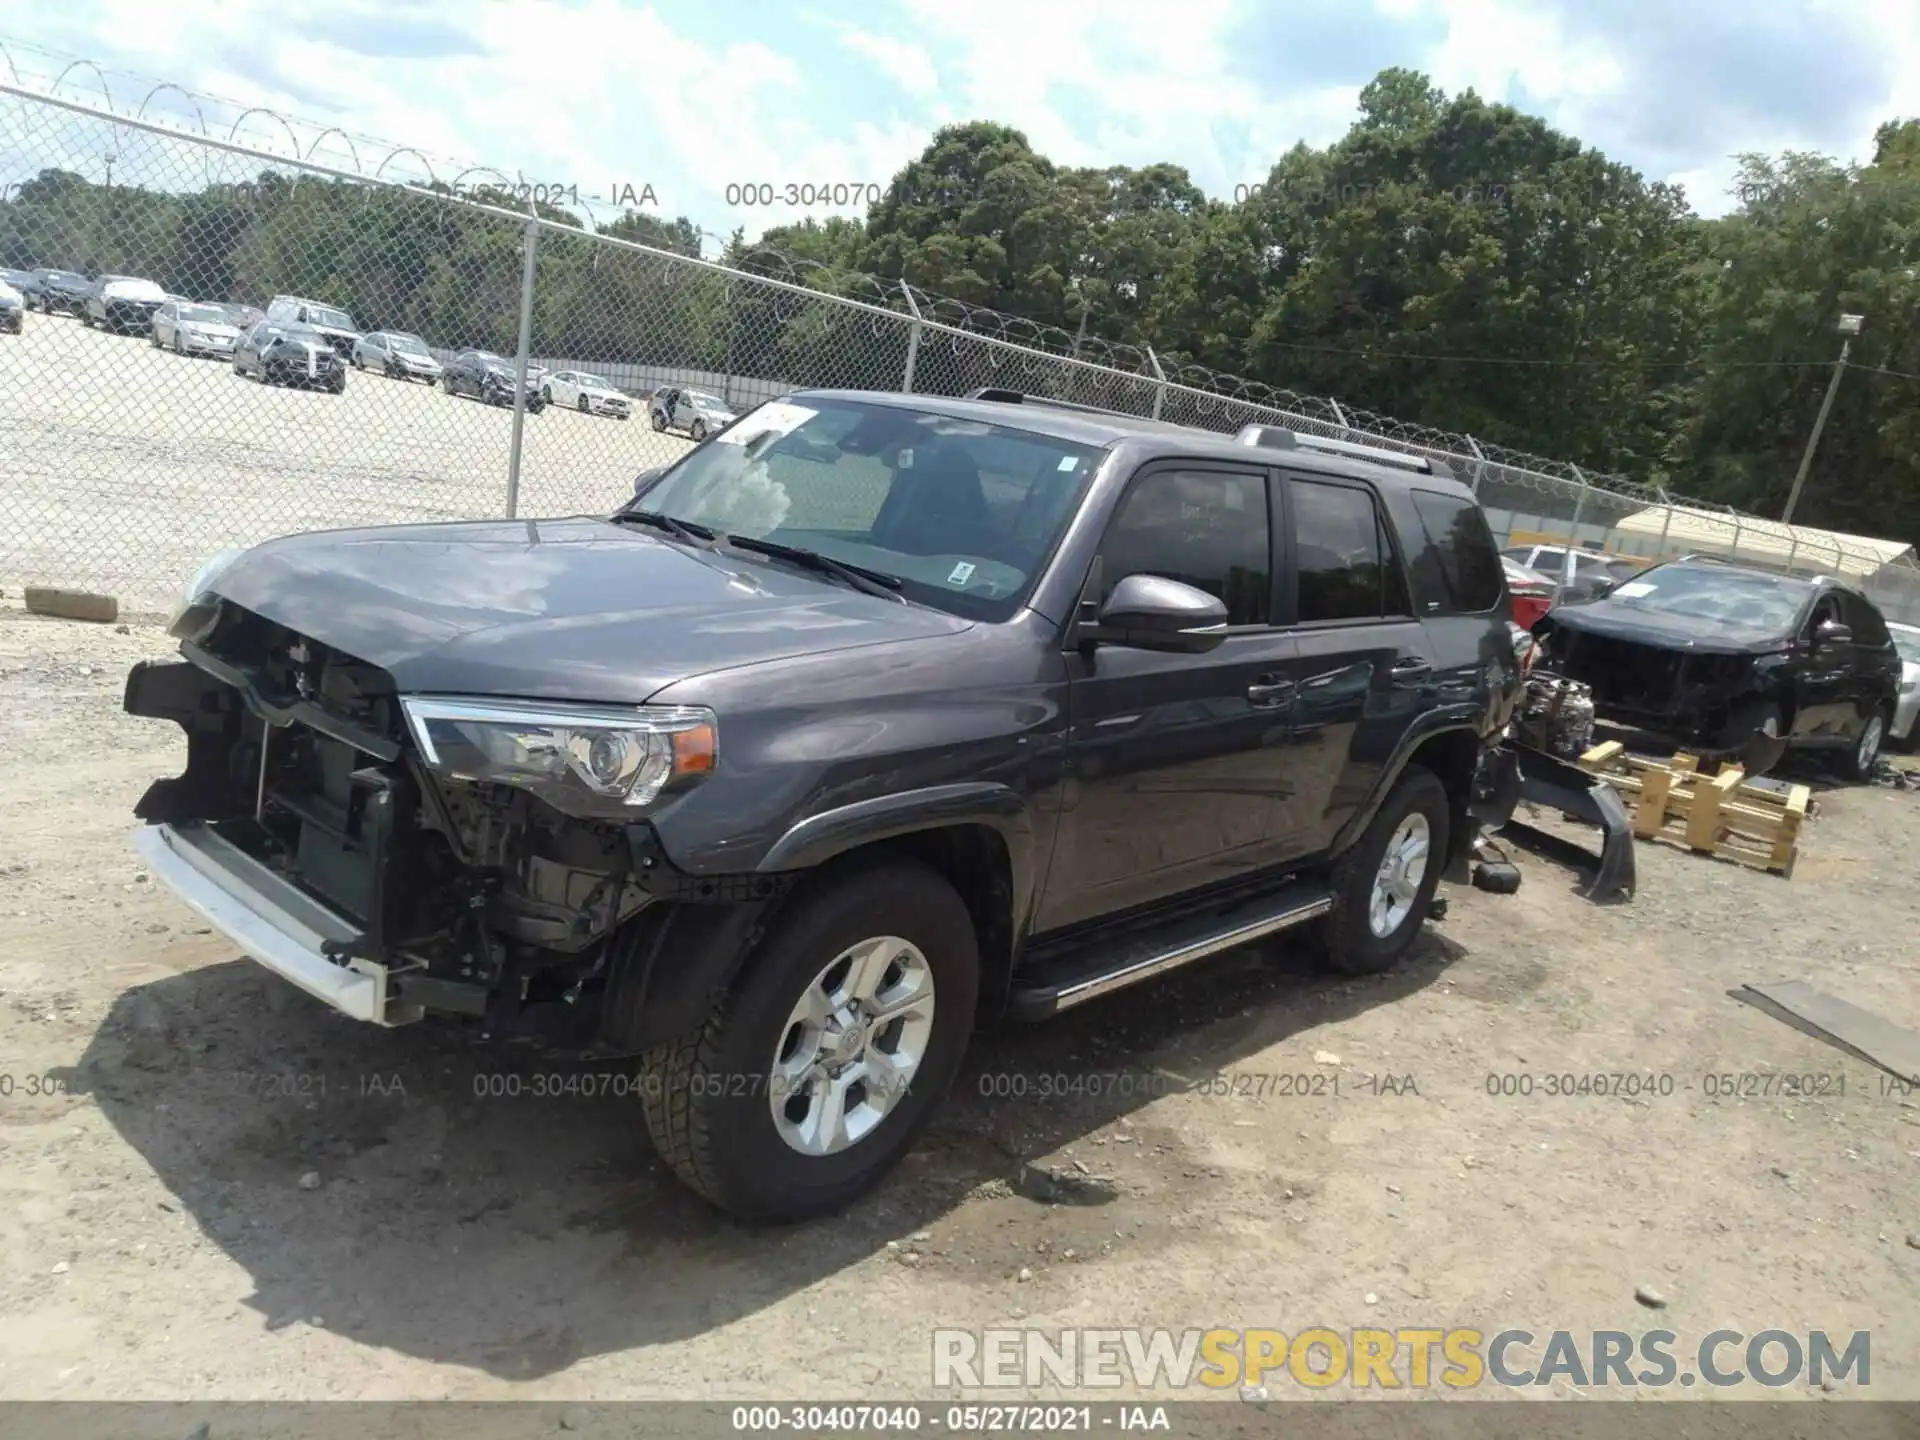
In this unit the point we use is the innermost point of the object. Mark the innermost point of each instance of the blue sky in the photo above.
(691, 97)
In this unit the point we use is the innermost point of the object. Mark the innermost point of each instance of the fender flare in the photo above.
(1435, 723)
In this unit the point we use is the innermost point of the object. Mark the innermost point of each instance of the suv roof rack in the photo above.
(1003, 396)
(1275, 437)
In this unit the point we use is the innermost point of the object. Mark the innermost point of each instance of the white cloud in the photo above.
(907, 65)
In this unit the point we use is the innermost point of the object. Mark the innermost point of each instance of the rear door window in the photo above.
(1462, 548)
(1342, 558)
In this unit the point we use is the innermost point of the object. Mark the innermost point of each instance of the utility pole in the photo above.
(1849, 326)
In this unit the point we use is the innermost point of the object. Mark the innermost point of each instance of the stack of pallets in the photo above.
(1725, 815)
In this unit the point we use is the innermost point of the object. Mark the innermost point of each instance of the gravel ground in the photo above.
(123, 467)
(234, 1193)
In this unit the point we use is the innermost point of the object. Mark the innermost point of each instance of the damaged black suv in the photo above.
(1734, 662)
(873, 717)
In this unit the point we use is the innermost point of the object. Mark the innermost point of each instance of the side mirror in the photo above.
(646, 478)
(1150, 612)
(1832, 632)
(1603, 587)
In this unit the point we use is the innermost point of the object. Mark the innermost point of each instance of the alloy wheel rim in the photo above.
(852, 1045)
(1396, 884)
(1870, 743)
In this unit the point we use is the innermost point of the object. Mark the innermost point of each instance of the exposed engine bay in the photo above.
(300, 757)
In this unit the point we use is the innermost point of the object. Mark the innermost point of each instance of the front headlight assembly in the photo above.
(194, 613)
(582, 759)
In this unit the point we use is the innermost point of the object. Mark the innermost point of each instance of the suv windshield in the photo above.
(1709, 593)
(963, 512)
(700, 397)
(333, 319)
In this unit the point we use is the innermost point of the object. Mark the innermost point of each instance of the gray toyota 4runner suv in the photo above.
(874, 717)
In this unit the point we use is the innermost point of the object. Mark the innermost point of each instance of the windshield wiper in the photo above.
(682, 530)
(873, 582)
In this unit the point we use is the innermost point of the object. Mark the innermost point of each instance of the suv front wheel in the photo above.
(1383, 886)
(816, 1073)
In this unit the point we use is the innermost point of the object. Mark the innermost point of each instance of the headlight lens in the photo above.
(581, 759)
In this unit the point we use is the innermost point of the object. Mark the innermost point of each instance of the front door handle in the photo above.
(1411, 667)
(1268, 691)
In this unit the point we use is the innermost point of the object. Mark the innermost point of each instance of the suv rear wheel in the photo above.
(1861, 761)
(816, 1073)
(1384, 884)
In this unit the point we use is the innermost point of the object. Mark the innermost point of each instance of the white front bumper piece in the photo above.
(270, 919)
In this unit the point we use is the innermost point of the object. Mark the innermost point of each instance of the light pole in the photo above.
(1849, 326)
(110, 157)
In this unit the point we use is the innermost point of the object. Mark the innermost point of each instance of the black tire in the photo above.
(697, 432)
(706, 1097)
(178, 348)
(583, 403)
(338, 385)
(1859, 763)
(1349, 943)
(659, 420)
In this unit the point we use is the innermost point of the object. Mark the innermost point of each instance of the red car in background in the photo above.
(1532, 592)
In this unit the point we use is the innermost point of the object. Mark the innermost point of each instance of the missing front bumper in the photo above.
(272, 921)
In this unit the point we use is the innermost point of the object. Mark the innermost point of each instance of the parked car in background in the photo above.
(122, 304)
(334, 325)
(1593, 573)
(1906, 713)
(27, 282)
(1532, 592)
(194, 328)
(287, 354)
(397, 354)
(696, 412)
(487, 377)
(589, 394)
(783, 797)
(13, 308)
(242, 317)
(1728, 660)
(61, 291)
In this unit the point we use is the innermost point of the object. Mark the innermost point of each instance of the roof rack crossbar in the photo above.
(1274, 437)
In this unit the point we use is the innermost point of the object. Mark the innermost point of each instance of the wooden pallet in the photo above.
(1722, 816)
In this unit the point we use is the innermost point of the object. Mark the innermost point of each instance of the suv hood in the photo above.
(1620, 621)
(553, 609)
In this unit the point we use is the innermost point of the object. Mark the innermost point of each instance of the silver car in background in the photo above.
(189, 327)
(398, 354)
(13, 309)
(1906, 706)
(697, 412)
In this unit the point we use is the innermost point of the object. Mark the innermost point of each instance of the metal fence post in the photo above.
(1573, 540)
(1479, 463)
(1160, 379)
(913, 338)
(1665, 525)
(520, 369)
(1735, 552)
(1341, 416)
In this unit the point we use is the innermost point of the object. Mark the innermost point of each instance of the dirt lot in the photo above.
(156, 1239)
(123, 467)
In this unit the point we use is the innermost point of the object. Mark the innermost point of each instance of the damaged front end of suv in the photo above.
(473, 858)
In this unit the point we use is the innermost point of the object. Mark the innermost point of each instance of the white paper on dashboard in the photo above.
(776, 418)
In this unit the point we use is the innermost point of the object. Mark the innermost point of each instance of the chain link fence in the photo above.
(306, 344)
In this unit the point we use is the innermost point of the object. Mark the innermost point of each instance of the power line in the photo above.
(1697, 363)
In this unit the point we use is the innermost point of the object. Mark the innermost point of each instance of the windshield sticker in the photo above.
(905, 462)
(1634, 589)
(1069, 462)
(962, 573)
(775, 418)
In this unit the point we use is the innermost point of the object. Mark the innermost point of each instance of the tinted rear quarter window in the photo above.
(1462, 549)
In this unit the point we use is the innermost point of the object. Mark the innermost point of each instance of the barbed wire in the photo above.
(1197, 391)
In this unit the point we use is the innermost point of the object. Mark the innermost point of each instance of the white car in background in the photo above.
(13, 309)
(589, 394)
(188, 327)
(1906, 706)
